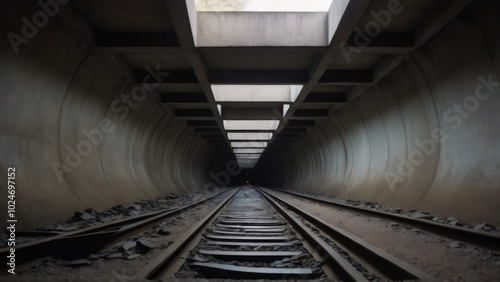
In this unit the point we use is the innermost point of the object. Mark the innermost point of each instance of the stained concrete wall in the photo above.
(261, 29)
(230, 28)
(436, 114)
(57, 94)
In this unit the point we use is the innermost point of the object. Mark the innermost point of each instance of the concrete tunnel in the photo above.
(111, 102)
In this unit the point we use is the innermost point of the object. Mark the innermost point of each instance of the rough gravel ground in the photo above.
(120, 269)
(247, 202)
(442, 258)
(430, 253)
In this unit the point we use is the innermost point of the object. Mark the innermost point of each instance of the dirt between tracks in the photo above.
(444, 259)
(116, 263)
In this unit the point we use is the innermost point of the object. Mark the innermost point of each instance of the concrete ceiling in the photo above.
(149, 33)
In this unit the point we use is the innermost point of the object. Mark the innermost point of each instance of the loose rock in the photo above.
(200, 259)
(479, 226)
(87, 217)
(134, 256)
(163, 231)
(395, 210)
(144, 246)
(456, 245)
(79, 262)
(115, 256)
(421, 215)
(94, 257)
(103, 219)
(128, 245)
(439, 219)
(91, 212)
(135, 207)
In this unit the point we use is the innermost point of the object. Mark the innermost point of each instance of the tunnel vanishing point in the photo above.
(111, 102)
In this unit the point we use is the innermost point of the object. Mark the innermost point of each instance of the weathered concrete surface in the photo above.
(231, 28)
(57, 92)
(361, 150)
(262, 29)
(256, 93)
(57, 95)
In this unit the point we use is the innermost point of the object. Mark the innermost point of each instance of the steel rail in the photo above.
(164, 261)
(474, 237)
(386, 264)
(79, 243)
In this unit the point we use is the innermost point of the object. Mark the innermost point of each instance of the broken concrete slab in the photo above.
(456, 245)
(79, 263)
(103, 219)
(134, 256)
(115, 256)
(144, 245)
(134, 207)
(480, 226)
(395, 210)
(455, 223)
(199, 258)
(87, 217)
(422, 215)
(128, 245)
(488, 227)
(94, 257)
(163, 231)
(91, 211)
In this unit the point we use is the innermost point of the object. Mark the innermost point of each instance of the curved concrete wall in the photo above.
(425, 137)
(57, 93)
(75, 139)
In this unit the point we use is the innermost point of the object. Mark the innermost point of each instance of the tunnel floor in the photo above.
(441, 258)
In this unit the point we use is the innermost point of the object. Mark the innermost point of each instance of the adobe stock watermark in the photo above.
(93, 138)
(372, 29)
(453, 116)
(48, 9)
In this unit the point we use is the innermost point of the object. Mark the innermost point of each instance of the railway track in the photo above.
(486, 240)
(255, 235)
(80, 243)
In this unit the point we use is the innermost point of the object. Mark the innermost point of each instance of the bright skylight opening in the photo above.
(286, 107)
(256, 93)
(248, 151)
(264, 22)
(248, 144)
(263, 5)
(250, 136)
(251, 124)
